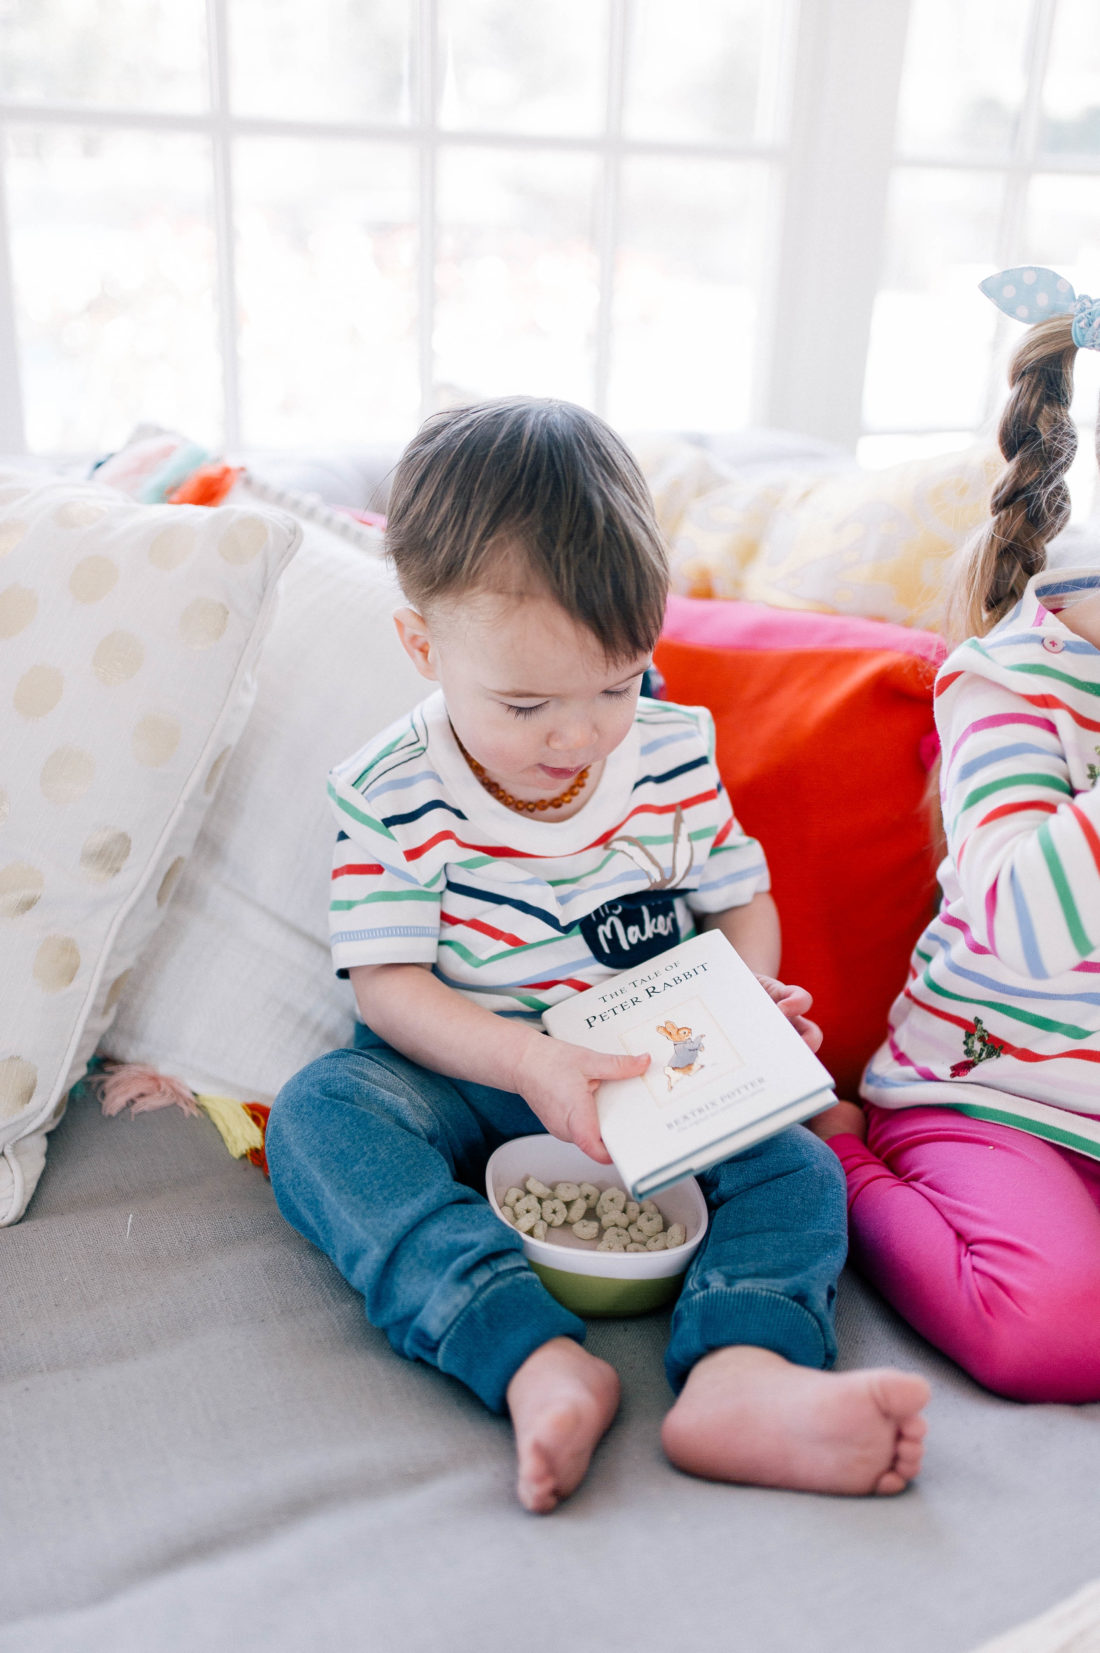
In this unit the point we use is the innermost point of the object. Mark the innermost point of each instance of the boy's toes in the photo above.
(908, 1455)
(909, 1450)
(907, 1459)
(900, 1395)
(536, 1487)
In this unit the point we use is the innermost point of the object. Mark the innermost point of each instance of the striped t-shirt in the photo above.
(516, 912)
(1001, 1013)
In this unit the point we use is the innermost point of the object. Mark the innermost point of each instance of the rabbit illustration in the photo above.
(686, 1051)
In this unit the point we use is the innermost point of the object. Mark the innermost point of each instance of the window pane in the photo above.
(705, 70)
(1062, 228)
(151, 56)
(114, 284)
(539, 66)
(692, 257)
(931, 330)
(965, 71)
(1062, 231)
(332, 59)
(516, 275)
(877, 453)
(1071, 91)
(326, 282)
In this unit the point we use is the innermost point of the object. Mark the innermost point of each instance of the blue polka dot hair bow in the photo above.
(1032, 294)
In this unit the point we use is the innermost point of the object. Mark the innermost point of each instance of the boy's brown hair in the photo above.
(539, 494)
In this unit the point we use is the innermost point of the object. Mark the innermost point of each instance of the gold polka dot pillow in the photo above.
(128, 639)
(873, 543)
(236, 992)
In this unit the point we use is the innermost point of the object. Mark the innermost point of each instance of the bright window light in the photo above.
(275, 223)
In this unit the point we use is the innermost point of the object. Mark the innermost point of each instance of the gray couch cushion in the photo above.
(205, 1446)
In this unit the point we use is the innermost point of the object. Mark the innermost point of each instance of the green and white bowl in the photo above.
(588, 1281)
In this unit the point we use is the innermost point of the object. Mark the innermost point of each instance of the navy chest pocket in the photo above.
(626, 932)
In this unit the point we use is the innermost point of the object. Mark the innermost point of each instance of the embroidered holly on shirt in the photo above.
(979, 1047)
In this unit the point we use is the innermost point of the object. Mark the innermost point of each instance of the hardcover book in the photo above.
(726, 1066)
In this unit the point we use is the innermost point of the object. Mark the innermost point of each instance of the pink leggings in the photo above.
(987, 1240)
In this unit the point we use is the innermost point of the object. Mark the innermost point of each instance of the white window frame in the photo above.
(847, 78)
(1018, 170)
(831, 164)
(222, 128)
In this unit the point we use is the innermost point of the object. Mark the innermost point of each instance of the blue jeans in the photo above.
(379, 1162)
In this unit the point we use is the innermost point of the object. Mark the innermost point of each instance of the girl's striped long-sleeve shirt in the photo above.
(1001, 1013)
(517, 912)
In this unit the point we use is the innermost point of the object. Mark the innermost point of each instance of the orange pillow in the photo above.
(825, 738)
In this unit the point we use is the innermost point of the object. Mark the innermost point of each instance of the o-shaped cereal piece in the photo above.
(612, 1219)
(637, 1233)
(577, 1209)
(508, 1214)
(631, 1210)
(650, 1223)
(538, 1231)
(527, 1222)
(657, 1242)
(634, 1246)
(589, 1193)
(677, 1234)
(529, 1206)
(534, 1186)
(512, 1196)
(567, 1191)
(553, 1212)
(586, 1230)
(612, 1199)
(615, 1239)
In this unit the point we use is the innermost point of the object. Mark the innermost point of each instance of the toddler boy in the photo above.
(484, 843)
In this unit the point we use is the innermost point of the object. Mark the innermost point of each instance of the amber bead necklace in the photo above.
(524, 806)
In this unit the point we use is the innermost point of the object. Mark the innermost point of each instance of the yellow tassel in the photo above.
(239, 1133)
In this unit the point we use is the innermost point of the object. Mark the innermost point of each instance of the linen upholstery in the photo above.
(205, 1445)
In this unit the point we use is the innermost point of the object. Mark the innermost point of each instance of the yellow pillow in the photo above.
(711, 520)
(873, 543)
(718, 533)
(677, 472)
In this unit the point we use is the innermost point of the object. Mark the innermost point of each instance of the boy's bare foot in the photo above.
(562, 1400)
(748, 1415)
(842, 1119)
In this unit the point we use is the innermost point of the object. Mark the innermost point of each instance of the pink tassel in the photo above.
(130, 1084)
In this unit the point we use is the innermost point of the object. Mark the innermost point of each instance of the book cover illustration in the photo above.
(726, 1067)
(684, 1042)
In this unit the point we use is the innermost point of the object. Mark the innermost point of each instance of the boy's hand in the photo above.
(559, 1081)
(793, 1002)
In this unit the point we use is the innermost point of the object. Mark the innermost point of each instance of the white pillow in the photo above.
(236, 992)
(128, 637)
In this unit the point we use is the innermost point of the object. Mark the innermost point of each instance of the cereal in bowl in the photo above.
(616, 1223)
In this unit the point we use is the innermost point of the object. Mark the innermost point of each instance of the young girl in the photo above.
(484, 842)
(974, 1172)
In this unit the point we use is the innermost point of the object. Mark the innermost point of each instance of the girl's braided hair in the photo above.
(1030, 501)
